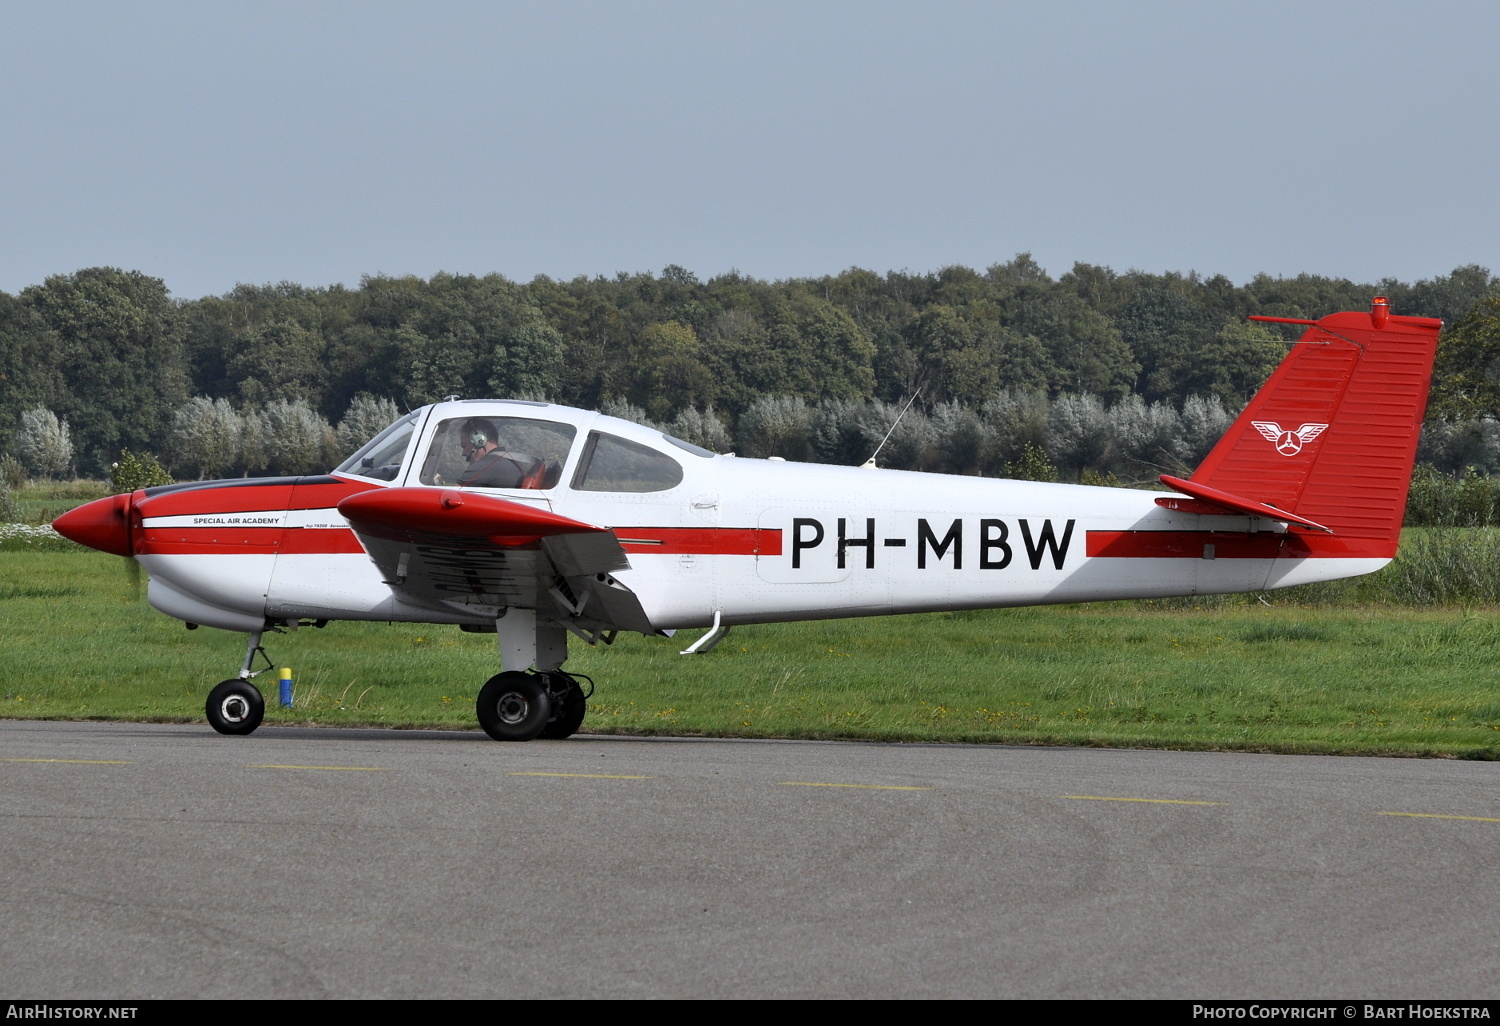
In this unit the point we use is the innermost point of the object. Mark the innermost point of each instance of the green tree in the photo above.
(206, 436)
(30, 374)
(1466, 380)
(1166, 331)
(436, 367)
(44, 442)
(667, 374)
(121, 346)
(366, 417)
(295, 437)
(134, 471)
(279, 360)
(525, 364)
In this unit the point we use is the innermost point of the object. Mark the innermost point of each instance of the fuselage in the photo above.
(750, 540)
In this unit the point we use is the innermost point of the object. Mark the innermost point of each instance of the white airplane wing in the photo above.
(479, 555)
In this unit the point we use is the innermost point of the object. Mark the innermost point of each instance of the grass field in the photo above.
(80, 642)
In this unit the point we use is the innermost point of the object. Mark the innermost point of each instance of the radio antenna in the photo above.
(869, 464)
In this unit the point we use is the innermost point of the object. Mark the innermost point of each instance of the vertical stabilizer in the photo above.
(1332, 436)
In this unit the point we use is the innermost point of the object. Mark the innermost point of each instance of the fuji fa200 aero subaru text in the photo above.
(542, 524)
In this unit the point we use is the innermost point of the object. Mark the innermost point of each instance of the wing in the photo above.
(456, 551)
(1269, 428)
(1307, 432)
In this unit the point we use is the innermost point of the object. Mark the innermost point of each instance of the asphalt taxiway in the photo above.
(150, 860)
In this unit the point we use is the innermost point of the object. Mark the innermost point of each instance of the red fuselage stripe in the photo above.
(183, 541)
(749, 541)
(1232, 545)
(704, 541)
(707, 541)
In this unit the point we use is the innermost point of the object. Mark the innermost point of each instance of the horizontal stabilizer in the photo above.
(398, 513)
(1230, 503)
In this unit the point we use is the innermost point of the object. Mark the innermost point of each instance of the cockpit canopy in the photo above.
(497, 450)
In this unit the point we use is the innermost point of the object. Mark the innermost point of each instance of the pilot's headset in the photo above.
(477, 432)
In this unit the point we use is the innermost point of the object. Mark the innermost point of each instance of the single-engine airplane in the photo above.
(536, 522)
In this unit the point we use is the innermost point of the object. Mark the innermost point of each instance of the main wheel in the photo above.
(568, 708)
(235, 707)
(513, 706)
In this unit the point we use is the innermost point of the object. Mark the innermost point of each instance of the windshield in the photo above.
(497, 452)
(382, 455)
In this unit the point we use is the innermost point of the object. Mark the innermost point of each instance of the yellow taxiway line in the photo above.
(584, 776)
(364, 769)
(863, 787)
(1153, 801)
(85, 762)
(1436, 815)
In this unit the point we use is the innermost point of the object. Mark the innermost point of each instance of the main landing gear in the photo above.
(236, 706)
(517, 704)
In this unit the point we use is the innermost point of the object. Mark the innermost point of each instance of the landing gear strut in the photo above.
(569, 703)
(519, 704)
(236, 706)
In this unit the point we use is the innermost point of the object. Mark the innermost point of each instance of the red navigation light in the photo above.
(1380, 311)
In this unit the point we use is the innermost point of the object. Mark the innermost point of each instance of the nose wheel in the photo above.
(235, 707)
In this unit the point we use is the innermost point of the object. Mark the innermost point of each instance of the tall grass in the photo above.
(1440, 500)
(1445, 567)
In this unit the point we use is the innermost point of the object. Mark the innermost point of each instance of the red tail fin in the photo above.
(1332, 435)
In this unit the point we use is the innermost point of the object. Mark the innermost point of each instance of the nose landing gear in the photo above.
(236, 706)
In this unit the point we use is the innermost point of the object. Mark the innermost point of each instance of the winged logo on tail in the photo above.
(1288, 443)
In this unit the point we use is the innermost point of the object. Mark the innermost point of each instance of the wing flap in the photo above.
(480, 554)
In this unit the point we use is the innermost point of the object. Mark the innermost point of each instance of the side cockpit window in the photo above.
(613, 464)
(497, 452)
(380, 458)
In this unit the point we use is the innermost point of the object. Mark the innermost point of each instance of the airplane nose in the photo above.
(103, 524)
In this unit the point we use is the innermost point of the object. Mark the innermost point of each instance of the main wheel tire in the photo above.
(568, 712)
(513, 706)
(235, 707)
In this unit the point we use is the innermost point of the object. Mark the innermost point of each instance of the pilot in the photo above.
(489, 465)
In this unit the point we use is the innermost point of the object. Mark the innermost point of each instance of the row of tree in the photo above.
(1016, 434)
(113, 354)
(210, 438)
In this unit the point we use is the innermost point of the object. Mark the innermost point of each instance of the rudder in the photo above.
(1332, 434)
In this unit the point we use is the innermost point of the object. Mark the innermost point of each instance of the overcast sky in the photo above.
(209, 144)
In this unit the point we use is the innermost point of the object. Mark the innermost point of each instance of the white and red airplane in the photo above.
(536, 521)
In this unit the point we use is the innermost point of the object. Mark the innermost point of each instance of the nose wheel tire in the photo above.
(513, 706)
(235, 707)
